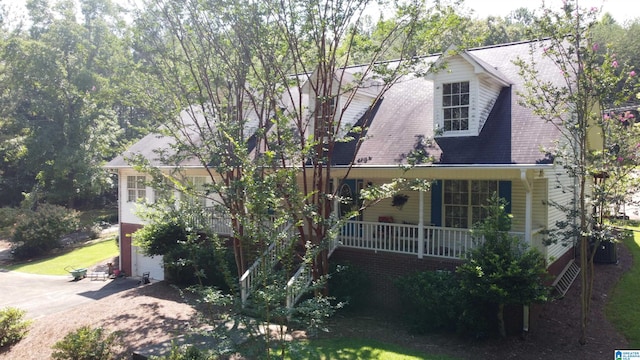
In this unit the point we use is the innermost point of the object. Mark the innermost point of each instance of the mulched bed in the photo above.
(554, 332)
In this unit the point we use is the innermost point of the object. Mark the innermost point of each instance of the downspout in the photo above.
(527, 234)
(528, 205)
(120, 234)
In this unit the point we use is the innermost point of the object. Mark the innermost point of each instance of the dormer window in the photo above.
(325, 108)
(455, 104)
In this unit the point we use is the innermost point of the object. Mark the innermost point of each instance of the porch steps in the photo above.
(563, 282)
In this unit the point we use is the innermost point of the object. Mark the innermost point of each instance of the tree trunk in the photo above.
(501, 326)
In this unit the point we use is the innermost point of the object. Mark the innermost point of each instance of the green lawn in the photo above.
(350, 348)
(623, 310)
(83, 257)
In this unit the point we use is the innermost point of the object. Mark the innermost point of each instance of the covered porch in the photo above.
(414, 240)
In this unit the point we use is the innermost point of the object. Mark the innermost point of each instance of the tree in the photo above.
(232, 76)
(68, 106)
(597, 141)
(502, 269)
(228, 66)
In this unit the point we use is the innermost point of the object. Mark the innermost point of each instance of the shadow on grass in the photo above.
(355, 348)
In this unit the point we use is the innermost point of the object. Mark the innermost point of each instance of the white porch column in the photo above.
(336, 202)
(528, 218)
(421, 224)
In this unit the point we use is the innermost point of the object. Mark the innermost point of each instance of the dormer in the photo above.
(465, 90)
(339, 102)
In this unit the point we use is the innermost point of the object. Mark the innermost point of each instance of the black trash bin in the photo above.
(606, 253)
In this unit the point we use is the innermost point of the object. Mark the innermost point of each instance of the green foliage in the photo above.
(431, 300)
(86, 343)
(13, 327)
(190, 253)
(8, 216)
(621, 308)
(73, 103)
(350, 286)
(38, 232)
(188, 352)
(589, 107)
(502, 269)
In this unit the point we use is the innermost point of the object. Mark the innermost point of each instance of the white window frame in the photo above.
(463, 201)
(136, 188)
(198, 183)
(456, 106)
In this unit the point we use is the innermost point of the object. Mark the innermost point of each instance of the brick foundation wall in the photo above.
(384, 267)
(125, 246)
(557, 266)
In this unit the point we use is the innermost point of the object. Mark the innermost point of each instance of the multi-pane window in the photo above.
(325, 108)
(455, 104)
(136, 188)
(195, 188)
(464, 201)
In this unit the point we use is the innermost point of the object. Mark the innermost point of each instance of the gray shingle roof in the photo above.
(512, 134)
(403, 122)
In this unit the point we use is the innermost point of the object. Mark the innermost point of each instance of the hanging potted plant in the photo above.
(399, 200)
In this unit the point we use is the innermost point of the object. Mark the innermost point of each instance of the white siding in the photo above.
(408, 214)
(353, 112)
(483, 94)
(128, 209)
(558, 185)
(457, 70)
(487, 95)
(518, 205)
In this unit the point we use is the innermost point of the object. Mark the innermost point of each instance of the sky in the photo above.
(621, 10)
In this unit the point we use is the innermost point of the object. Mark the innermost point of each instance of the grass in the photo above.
(622, 309)
(350, 348)
(83, 257)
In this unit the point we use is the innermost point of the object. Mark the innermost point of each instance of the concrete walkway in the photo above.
(41, 295)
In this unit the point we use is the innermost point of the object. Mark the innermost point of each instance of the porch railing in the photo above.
(220, 223)
(436, 241)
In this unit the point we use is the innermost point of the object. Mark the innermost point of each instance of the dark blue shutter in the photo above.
(504, 191)
(436, 203)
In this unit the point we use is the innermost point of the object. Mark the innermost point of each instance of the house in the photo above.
(468, 119)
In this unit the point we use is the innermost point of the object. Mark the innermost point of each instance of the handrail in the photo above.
(296, 288)
(250, 276)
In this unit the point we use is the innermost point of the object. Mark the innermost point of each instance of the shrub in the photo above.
(185, 352)
(502, 270)
(350, 285)
(86, 344)
(38, 232)
(8, 216)
(13, 327)
(431, 300)
(190, 255)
